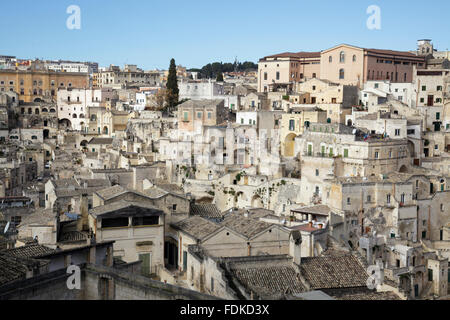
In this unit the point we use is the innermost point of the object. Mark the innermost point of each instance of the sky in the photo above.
(197, 32)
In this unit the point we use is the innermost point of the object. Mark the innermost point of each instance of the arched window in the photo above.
(74, 116)
(342, 57)
(52, 110)
(44, 110)
(81, 115)
(330, 59)
(354, 58)
(341, 74)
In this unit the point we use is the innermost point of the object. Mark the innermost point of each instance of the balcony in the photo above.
(319, 155)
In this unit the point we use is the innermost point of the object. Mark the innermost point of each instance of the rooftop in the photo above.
(197, 227)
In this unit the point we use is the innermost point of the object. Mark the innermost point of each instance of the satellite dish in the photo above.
(6, 227)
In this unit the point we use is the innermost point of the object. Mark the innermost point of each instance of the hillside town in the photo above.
(313, 175)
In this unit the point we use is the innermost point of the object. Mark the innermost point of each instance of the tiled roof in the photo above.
(29, 251)
(111, 192)
(269, 281)
(14, 268)
(297, 55)
(70, 236)
(171, 188)
(197, 227)
(318, 209)
(155, 193)
(268, 277)
(393, 52)
(344, 271)
(126, 207)
(206, 210)
(65, 183)
(366, 295)
(247, 227)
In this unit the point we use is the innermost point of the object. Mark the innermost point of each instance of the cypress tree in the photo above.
(172, 85)
(219, 77)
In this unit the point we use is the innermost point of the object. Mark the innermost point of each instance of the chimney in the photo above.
(295, 250)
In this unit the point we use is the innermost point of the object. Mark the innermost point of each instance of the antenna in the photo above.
(6, 227)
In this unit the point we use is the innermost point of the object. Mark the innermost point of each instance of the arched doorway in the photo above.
(257, 202)
(349, 122)
(105, 130)
(65, 123)
(403, 169)
(289, 144)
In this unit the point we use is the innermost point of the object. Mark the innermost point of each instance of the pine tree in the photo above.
(172, 86)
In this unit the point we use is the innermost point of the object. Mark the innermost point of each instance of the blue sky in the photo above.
(197, 32)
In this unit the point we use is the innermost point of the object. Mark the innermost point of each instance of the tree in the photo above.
(158, 100)
(219, 77)
(172, 85)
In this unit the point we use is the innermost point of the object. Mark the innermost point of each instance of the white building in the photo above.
(247, 117)
(73, 105)
(210, 90)
(380, 90)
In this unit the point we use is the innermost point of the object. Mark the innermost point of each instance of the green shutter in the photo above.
(345, 153)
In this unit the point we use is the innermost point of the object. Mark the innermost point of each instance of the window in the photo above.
(278, 75)
(439, 88)
(186, 116)
(265, 75)
(209, 115)
(199, 115)
(369, 198)
(317, 172)
(330, 59)
(345, 153)
(354, 58)
(438, 115)
(291, 125)
(402, 198)
(145, 221)
(397, 132)
(115, 222)
(342, 57)
(388, 199)
(341, 74)
(348, 201)
(376, 154)
(424, 88)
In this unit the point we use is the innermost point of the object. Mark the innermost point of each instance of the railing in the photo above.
(319, 155)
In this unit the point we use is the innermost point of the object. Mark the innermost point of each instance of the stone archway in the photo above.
(289, 145)
(257, 202)
(349, 122)
(403, 169)
(65, 123)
